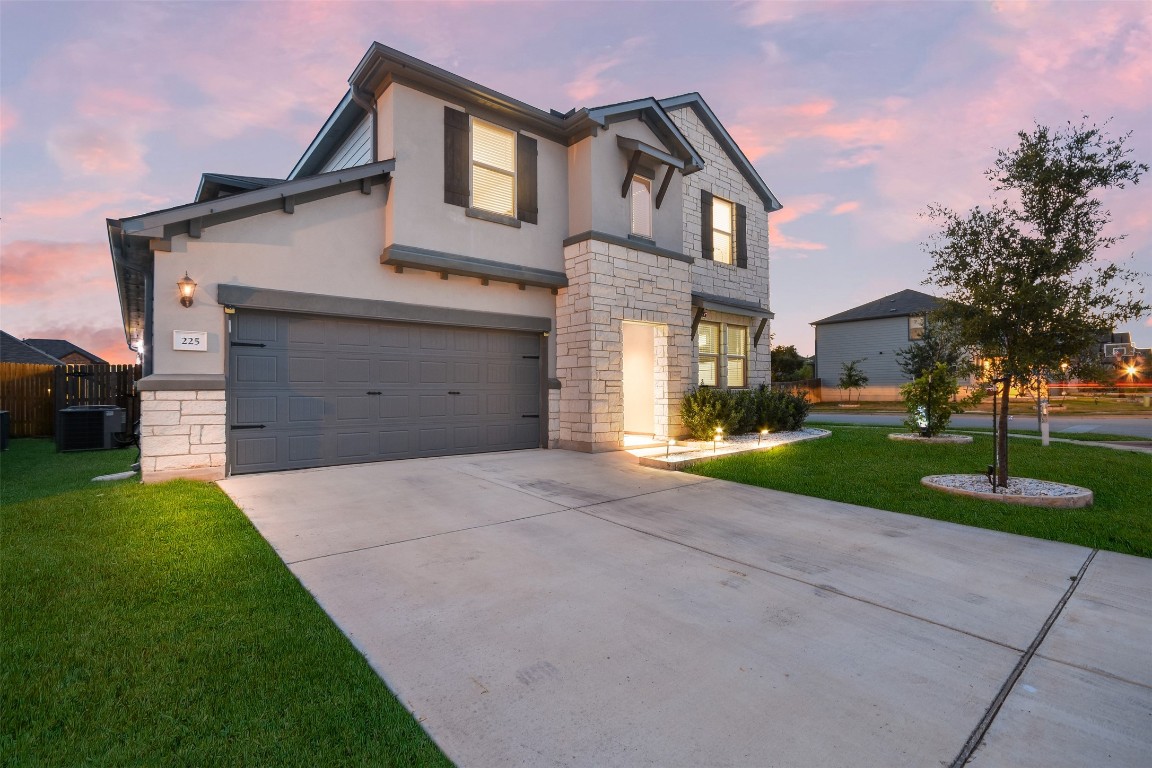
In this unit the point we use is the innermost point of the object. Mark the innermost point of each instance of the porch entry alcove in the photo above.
(639, 370)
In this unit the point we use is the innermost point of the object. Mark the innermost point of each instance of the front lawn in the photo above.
(152, 625)
(860, 465)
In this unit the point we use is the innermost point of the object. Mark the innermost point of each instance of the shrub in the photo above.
(777, 410)
(704, 408)
(930, 400)
(741, 411)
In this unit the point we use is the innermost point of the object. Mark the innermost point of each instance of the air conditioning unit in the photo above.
(89, 427)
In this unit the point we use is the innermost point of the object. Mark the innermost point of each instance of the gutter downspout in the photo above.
(367, 103)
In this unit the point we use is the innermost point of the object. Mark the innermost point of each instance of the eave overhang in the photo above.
(134, 240)
(708, 301)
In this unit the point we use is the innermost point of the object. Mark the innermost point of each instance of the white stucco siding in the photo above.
(330, 247)
(597, 167)
(873, 341)
(356, 149)
(420, 217)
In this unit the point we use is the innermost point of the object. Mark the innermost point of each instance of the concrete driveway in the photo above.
(549, 608)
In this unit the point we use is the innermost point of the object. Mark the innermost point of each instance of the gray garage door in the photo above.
(312, 391)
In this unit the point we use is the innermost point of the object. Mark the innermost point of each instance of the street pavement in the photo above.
(1134, 426)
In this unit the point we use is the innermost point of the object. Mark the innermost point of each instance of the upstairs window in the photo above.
(493, 168)
(641, 197)
(723, 216)
(915, 327)
(708, 339)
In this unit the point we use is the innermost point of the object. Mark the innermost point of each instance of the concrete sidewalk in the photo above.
(556, 608)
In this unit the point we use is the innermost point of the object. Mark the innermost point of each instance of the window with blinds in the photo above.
(736, 355)
(641, 206)
(493, 168)
(708, 339)
(722, 228)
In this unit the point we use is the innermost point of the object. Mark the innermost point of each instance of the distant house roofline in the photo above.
(900, 304)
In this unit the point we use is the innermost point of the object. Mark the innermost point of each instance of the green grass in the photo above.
(862, 466)
(152, 625)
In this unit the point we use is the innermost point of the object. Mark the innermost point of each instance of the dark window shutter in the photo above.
(741, 236)
(526, 206)
(705, 224)
(456, 189)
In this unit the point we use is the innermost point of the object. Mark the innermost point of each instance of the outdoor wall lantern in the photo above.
(187, 290)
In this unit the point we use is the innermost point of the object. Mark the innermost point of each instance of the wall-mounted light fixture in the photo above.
(187, 290)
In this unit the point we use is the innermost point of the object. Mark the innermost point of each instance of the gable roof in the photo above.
(61, 348)
(216, 185)
(900, 304)
(696, 102)
(382, 66)
(12, 350)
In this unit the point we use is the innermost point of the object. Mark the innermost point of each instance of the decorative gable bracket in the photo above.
(640, 151)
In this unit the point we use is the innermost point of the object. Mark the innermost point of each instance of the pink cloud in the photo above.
(590, 81)
(846, 207)
(95, 150)
(38, 272)
(107, 343)
(9, 119)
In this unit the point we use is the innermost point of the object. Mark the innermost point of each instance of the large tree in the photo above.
(1029, 285)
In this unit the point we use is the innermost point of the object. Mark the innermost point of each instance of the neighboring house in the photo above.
(448, 270)
(12, 350)
(66, 352)
(871, 333)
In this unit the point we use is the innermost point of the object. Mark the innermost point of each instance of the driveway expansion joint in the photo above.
(977, 736)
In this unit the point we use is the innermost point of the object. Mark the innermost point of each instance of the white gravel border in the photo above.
(1020, 490)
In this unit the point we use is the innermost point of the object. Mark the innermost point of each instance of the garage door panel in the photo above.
(465, 405)
(306, 370)
(354, 445)
(393, 371)
(432, 405)
(353, 370)
(346, 333)
(255, 451)
(304, 331)
(303, 448)
(353, 408)
(254, 328)
(433, 372)
(305, 408)
(255, 368)
(394, 407)
(337, 390)
(433, 440)
(258, 409)
(433, 339)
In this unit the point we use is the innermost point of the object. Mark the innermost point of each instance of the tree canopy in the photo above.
(1028, 283)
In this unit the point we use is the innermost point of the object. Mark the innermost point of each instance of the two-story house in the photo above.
(448, 270)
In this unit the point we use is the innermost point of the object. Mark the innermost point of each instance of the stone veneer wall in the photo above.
(608, 284)
(182, 433)
(721, 178)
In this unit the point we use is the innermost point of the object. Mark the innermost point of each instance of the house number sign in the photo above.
(190, 341)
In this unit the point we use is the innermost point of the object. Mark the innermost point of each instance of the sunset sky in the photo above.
(856, 114)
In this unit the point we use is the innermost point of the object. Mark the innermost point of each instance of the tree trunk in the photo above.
(1002, 437)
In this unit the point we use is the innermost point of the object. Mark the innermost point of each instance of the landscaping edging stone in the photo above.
(1020, 490)
(942, 439)
(730, 447)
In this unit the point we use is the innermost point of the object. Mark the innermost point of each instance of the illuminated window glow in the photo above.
(493, 168)
(723, 218)
(641, 199)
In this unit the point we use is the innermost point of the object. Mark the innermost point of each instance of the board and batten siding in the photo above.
(356, 149)
(873, 341)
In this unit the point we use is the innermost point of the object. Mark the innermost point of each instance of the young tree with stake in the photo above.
(1027, 287)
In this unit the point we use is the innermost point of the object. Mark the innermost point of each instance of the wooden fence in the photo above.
(32, 394)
